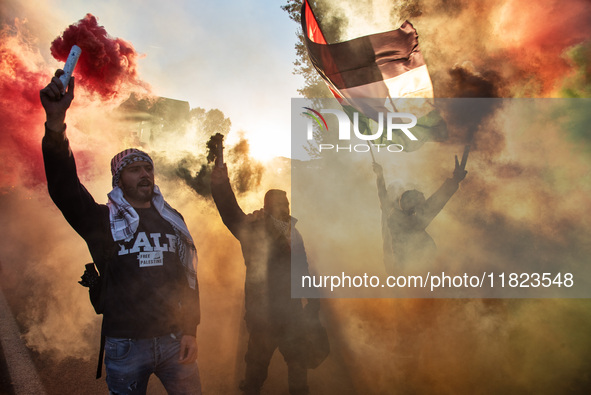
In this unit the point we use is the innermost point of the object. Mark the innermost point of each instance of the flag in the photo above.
(387, 66)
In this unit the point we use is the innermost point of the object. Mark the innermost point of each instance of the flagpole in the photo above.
(391, 102)
(465, 156)
(373, 159)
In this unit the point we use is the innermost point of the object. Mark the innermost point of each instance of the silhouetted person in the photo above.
(274, 320)
(144, 253)
(406, 241)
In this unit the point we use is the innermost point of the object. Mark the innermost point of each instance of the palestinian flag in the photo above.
(370, 73)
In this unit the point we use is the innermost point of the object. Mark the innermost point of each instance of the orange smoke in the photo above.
(536, 37)
(42, 257)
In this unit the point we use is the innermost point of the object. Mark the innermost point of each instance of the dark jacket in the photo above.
(268, 257)
(91, 221)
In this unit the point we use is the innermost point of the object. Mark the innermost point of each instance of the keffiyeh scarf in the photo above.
(125, 220)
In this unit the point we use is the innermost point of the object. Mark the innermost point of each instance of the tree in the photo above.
(314, 87)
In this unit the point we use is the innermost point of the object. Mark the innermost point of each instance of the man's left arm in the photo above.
(439, 199)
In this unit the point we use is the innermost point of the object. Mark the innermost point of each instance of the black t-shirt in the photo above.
(146, 281)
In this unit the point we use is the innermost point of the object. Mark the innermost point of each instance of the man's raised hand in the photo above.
(459, 172)
(55, 102)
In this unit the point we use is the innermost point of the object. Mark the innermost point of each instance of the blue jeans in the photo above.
(130, 362)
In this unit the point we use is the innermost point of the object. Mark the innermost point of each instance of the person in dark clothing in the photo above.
(404, 222)
(270, 243)
(144, 254)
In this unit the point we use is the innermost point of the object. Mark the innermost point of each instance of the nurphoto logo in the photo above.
(386, 122)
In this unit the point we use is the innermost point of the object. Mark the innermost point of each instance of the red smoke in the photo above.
(106, 67)
(106, 63)
(20, 111)
(540, 34)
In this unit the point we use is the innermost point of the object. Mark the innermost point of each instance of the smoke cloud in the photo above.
(523, 49)
(523, 203)
(43, 258)
(106, 64)
(20, 76)
(246, 173)
(518, 210)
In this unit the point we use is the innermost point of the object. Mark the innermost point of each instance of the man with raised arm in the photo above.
(406, 241)
(270, 244)
(149, 295)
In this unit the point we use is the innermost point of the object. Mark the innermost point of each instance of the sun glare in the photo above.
(263, 147)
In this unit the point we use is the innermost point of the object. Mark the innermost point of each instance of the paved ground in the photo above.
(23, 375)
(24, 372)
(5, 382)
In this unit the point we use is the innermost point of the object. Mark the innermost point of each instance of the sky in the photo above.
(235, 56)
